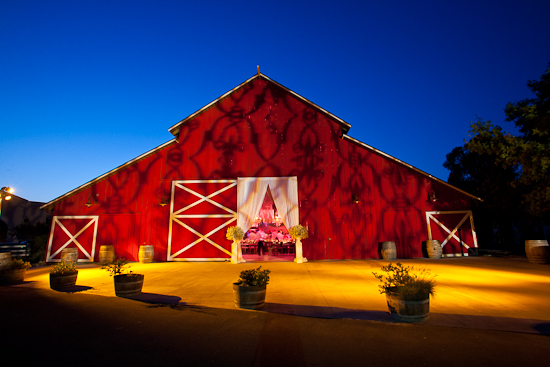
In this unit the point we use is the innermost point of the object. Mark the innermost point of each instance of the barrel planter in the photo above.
(128, 285)
(388, 250)
(252, 297)
(537, 251)
(146, 253)
(407, 308)
(5, 259)
(434, 249)
(61, 281)
(12, 276)
(69, 254)
(106, 254)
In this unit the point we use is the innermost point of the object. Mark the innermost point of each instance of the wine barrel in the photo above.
(252, 298)
(408, 311)
(69, 254)
(12, 276)
(61, 281)
(128, 285)
(106, 254)
(433, 247)
(537, 251)
(388, 250)
(5, 259)
(146, 253)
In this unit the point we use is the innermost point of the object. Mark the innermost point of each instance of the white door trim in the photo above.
(94, 219)
(452, 234)
(175, 217)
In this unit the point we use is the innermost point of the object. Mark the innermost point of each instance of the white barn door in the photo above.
(200, 212)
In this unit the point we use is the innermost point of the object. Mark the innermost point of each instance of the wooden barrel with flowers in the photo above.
(128, 285)
(14, 272)
(251, 297)
(63, 275)
(12, 276)
(409, 308)
(407, 295)
(62, 281)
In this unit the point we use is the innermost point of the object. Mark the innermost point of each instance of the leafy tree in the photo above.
(478, 175)
(527, 154)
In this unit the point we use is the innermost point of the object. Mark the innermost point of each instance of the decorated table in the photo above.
(274, 246)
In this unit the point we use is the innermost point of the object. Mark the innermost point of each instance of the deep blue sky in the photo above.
(87, 85)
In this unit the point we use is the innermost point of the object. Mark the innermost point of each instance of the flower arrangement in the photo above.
(298, 232)
(117, 267)
(17, 264)
(234, 233)
(254, 277)
(64, 268)
(398, 281)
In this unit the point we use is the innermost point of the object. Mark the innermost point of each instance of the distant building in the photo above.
(17, 211)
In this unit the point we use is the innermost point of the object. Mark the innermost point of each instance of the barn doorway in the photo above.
(266, 208)
(268, 238)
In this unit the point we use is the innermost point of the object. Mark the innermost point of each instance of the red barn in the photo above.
(261, 143)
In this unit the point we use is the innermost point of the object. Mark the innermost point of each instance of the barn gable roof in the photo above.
(175, 130)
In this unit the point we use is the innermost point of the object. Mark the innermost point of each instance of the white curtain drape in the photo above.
(285, 195)
(250, 196)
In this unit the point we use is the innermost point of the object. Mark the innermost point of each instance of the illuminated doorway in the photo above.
(254, 195)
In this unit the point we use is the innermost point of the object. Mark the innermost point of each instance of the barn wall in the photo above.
(262, 131)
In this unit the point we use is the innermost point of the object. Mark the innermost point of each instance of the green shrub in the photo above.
(63, 268)
(254, 277)
(398, 281)
(17, 264)
(117, 267)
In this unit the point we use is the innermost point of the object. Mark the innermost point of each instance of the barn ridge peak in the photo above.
(175, 129)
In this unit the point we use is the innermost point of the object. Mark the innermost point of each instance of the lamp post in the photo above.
(5, 193)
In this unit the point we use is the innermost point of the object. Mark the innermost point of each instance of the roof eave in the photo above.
(99, 178)
(409, 166)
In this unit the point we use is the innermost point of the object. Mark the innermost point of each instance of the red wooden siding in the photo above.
(262, 130)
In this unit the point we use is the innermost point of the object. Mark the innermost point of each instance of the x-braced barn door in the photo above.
(200, 212)
(79, 231)
(463, 231)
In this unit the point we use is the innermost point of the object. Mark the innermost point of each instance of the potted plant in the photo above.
(127, 284)
(249, 290)
(235, 234)
(63, 275)
(14, 272)
(407, 294)
(298, 233)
